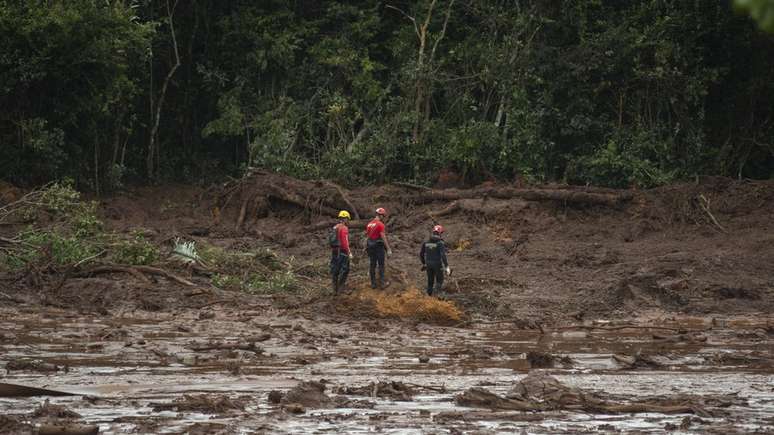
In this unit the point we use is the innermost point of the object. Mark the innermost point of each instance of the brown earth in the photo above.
(532, 255)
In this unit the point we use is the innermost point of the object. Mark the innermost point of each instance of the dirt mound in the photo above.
(542, 392)
(209, 404)
(410, 304)
(308, 394)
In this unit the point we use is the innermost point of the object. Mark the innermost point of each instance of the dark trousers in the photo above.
(339, 269)
(434, 276)
(376, 258)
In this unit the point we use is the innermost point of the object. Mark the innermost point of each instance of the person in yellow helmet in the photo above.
(340, 252)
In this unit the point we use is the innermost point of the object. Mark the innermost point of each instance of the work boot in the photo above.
(384, 284)
(342, 287)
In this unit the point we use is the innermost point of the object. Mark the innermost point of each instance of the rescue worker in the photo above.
(341, 255)
(433, 258)
(376, 246)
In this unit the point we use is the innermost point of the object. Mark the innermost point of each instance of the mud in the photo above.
(641, 298)
(348, 378)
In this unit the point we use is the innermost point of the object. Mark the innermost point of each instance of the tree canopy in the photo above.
(635, 93)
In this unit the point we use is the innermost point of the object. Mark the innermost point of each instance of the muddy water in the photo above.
(128, 364)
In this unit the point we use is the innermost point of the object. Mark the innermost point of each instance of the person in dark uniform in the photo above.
(433, 258)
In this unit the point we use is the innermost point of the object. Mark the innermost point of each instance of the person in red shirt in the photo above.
(376, 246)
(341, 255)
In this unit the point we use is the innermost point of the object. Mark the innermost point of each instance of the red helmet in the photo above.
(381, 211)
(438, 229)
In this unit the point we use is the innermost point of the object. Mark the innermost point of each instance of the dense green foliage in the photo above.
(615, 93)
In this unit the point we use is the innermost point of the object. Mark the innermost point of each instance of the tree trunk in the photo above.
(152, 145)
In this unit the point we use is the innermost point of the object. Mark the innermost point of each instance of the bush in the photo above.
(259, 272)
(46, 245)
(135, 251)
(72, 231)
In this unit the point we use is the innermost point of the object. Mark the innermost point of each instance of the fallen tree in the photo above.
(137, 271)
(254, 195)
(565, 195)
(259, 189)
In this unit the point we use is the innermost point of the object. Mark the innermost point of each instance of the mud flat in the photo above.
(174, 373)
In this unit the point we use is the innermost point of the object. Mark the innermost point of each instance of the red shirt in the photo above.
(375, 229)
(343, 234)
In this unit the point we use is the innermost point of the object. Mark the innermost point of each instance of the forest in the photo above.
(620, 94)
(568, 203)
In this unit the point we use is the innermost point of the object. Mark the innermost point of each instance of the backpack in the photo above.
(333, 238)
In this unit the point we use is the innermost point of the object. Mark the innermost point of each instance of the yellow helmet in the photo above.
(344, 215)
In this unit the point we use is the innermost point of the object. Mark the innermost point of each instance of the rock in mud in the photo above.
(275, 397)
(540, 360)
(310, 394)
(424, 359)
(208, 404)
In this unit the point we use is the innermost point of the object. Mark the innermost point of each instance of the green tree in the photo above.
(760, 10)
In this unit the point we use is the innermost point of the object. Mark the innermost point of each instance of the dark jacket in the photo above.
(433, 252)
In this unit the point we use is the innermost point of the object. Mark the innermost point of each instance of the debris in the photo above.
(394, 390)
(14, 390)
(294, 408)
(67, 429)
(540, 392)
(310, 394)
(14, 425)
(540, 360)
(136, 271)
(477, 397)
(467, 416)
(424, 359)
(209, 404)
(49, 410)
(275, 397)
(344, 402)
(204, 347)
(185, 251)
(637, 361)
(31, 365)
(259, 338)
(206, 315)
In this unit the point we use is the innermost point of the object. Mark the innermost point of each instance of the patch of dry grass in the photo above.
(408, 304)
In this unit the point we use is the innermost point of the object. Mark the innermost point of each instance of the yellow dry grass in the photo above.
(409, 304)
